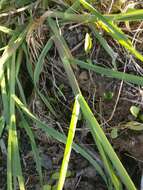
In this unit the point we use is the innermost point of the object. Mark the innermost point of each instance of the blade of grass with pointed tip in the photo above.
(11, 48)
(69, 142)
(105, 45)
(97, 131)
(37, 72)
(109, 72)
(60, 137)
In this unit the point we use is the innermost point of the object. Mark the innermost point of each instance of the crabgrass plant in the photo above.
(113, 173)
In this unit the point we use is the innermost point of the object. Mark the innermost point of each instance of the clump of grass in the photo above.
(113, 173)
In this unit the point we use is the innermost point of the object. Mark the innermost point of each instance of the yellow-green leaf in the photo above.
(88, 43)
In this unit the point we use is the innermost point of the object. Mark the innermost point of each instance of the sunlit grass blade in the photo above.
(109, 72)
(97, 131)
(63, 54)
(6, 30)
(10, 49)
(60, 137)
(13, 163)
(112, 29)
(69, 142)
(132, 15)
(5, 100)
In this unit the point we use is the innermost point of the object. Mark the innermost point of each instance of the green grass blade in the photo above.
(69, 142)
(40, 62)
(18, 64)
(28, 63)
(109, 72)
(24, 124)
(112, 29)
(107, 164)
(105, 45)
(134, 15)
(14, 166)
(2, 124)
(65, 54)
(10, 50)
(60, 137)
(97, 131)
(5, 100)
(75, 6)
(6, 30)
(37, 72)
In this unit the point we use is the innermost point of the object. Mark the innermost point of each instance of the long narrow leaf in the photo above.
(69, 142)
(60, 137)
(96, 129)
(37, 72)
(112, 29)
(109, 72)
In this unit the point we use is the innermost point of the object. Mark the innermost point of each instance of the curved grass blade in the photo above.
(112, 29)
(69, 142)
(109, 72)
(10, 49)
(63, 54)
(37, 72)
(97, 131)
(60, 137)
(24, 124)
(107, 164)
(105, 45)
